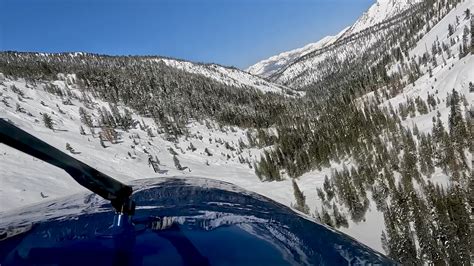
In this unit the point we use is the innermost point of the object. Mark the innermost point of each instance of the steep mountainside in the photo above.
(268, 67)
(418, 97)
(377, 13)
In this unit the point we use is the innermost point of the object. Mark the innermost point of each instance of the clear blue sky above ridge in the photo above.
(229, 32)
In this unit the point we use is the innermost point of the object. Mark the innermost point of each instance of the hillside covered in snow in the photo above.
(378, 13)
(270, 66)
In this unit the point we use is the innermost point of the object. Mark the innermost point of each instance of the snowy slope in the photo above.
(23, 185)
(377, 13)
(439, 32)
(267, 67)
(25, 180)
(228, 76)
(455, 74)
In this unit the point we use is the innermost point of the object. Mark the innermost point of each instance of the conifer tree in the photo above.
(85, 117)
(48, 122)
(457, 130)
(300, 199)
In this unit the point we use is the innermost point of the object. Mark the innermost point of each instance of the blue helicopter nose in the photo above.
(178, 221)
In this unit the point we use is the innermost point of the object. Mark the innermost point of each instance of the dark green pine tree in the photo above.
(325, 217)
(441, 141)
(409, 169)
(339, 218)
(426, 155)
(428, 248)
(456, 205)
(457, 131)
(444, 231)
(268, 168)
(300, 199)
(405, 248)
(472, 34)
(48, 121)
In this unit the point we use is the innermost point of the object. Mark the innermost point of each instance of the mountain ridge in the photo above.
(226, 75)
(267, 67)
(377, 13)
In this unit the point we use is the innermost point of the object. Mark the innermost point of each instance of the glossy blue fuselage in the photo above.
(178, 221)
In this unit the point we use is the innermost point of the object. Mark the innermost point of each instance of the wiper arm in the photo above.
(101, 184)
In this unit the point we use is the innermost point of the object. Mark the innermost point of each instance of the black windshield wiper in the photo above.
(101, 184)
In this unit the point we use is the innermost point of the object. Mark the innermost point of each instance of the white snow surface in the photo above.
(379, 12)
(267, 67)
(439, 32)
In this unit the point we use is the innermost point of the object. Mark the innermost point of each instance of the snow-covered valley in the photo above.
(418, 94)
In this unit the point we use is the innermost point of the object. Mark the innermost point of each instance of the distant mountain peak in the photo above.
(267, 67)
(377, 13)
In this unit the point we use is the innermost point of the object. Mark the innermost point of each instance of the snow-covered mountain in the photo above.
(379, 12)
(268, 67)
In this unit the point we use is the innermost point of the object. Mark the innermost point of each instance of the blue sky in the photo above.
(228, 32)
